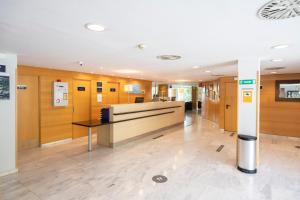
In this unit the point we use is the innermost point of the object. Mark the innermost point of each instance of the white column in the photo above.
(248, 106)
(248, 113)
(8, 117)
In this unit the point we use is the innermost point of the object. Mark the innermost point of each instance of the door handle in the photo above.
(227, 106)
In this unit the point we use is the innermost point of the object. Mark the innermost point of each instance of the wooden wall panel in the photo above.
(211, 102)
(56, 123)
(28, 115)
(279, 118)
(223, 82)
(163, 90)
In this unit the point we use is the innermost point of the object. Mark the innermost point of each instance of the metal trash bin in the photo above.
(246, 154)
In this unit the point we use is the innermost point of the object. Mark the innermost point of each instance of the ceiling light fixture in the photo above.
(273, 72)
(276, 60)
(94, 27)
(169, 57)
(141, 46)
(280, 46)
(207, 71)
(182, 80)
(128, 71)
(274, 68)
(195, 67)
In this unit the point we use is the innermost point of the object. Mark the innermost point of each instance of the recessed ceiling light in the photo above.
(128, 71)
(276, 60)
(94, 27)
(182, 80)
(195, 67)
(169, 57)
(200, 80)
(273, 72)
(207, 71)
(280, 46)
(141, 46)
(274, 68)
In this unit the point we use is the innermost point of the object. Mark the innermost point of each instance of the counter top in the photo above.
(90, 123)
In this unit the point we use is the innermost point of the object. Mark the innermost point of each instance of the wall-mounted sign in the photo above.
(99, 97)
(60, 93)
(99, 84)
(247, 82)
(4, 87)
(2, 68)
(136, 89)
(21, 87)
(81, 89)
(99, 87)
(99, 90)
(133, 88)
(247, 96)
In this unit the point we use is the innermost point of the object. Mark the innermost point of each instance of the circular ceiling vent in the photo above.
(169, 57)
(280, 9)
(274, 68)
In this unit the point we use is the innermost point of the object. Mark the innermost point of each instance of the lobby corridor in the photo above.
(186, 154)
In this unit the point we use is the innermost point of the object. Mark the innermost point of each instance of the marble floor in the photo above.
(185, 154)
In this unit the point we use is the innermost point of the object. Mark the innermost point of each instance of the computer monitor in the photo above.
(139, 99)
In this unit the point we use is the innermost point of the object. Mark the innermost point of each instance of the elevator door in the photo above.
(231, 106)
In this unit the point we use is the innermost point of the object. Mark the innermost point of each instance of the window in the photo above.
(182, 92)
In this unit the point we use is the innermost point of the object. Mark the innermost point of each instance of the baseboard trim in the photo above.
(51, 144)
(9, 172)
(280, 136)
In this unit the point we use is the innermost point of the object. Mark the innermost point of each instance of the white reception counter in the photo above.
(129, 121)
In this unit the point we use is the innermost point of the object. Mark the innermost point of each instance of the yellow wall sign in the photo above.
(247, 96)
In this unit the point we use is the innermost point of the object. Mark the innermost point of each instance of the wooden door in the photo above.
(231, 106)
(27, 112)
(81, 105)
(112, 93)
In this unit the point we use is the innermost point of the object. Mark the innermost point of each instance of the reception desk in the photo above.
(130, 121)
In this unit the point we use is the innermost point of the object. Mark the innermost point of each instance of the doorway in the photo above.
(27, 112)
(231, 106)
(81, 105)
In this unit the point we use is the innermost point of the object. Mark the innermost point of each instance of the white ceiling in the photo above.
(211, 34)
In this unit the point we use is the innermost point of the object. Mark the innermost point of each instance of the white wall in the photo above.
(8, 119)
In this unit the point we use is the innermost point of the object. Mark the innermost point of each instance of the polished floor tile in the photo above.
(186, 155)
